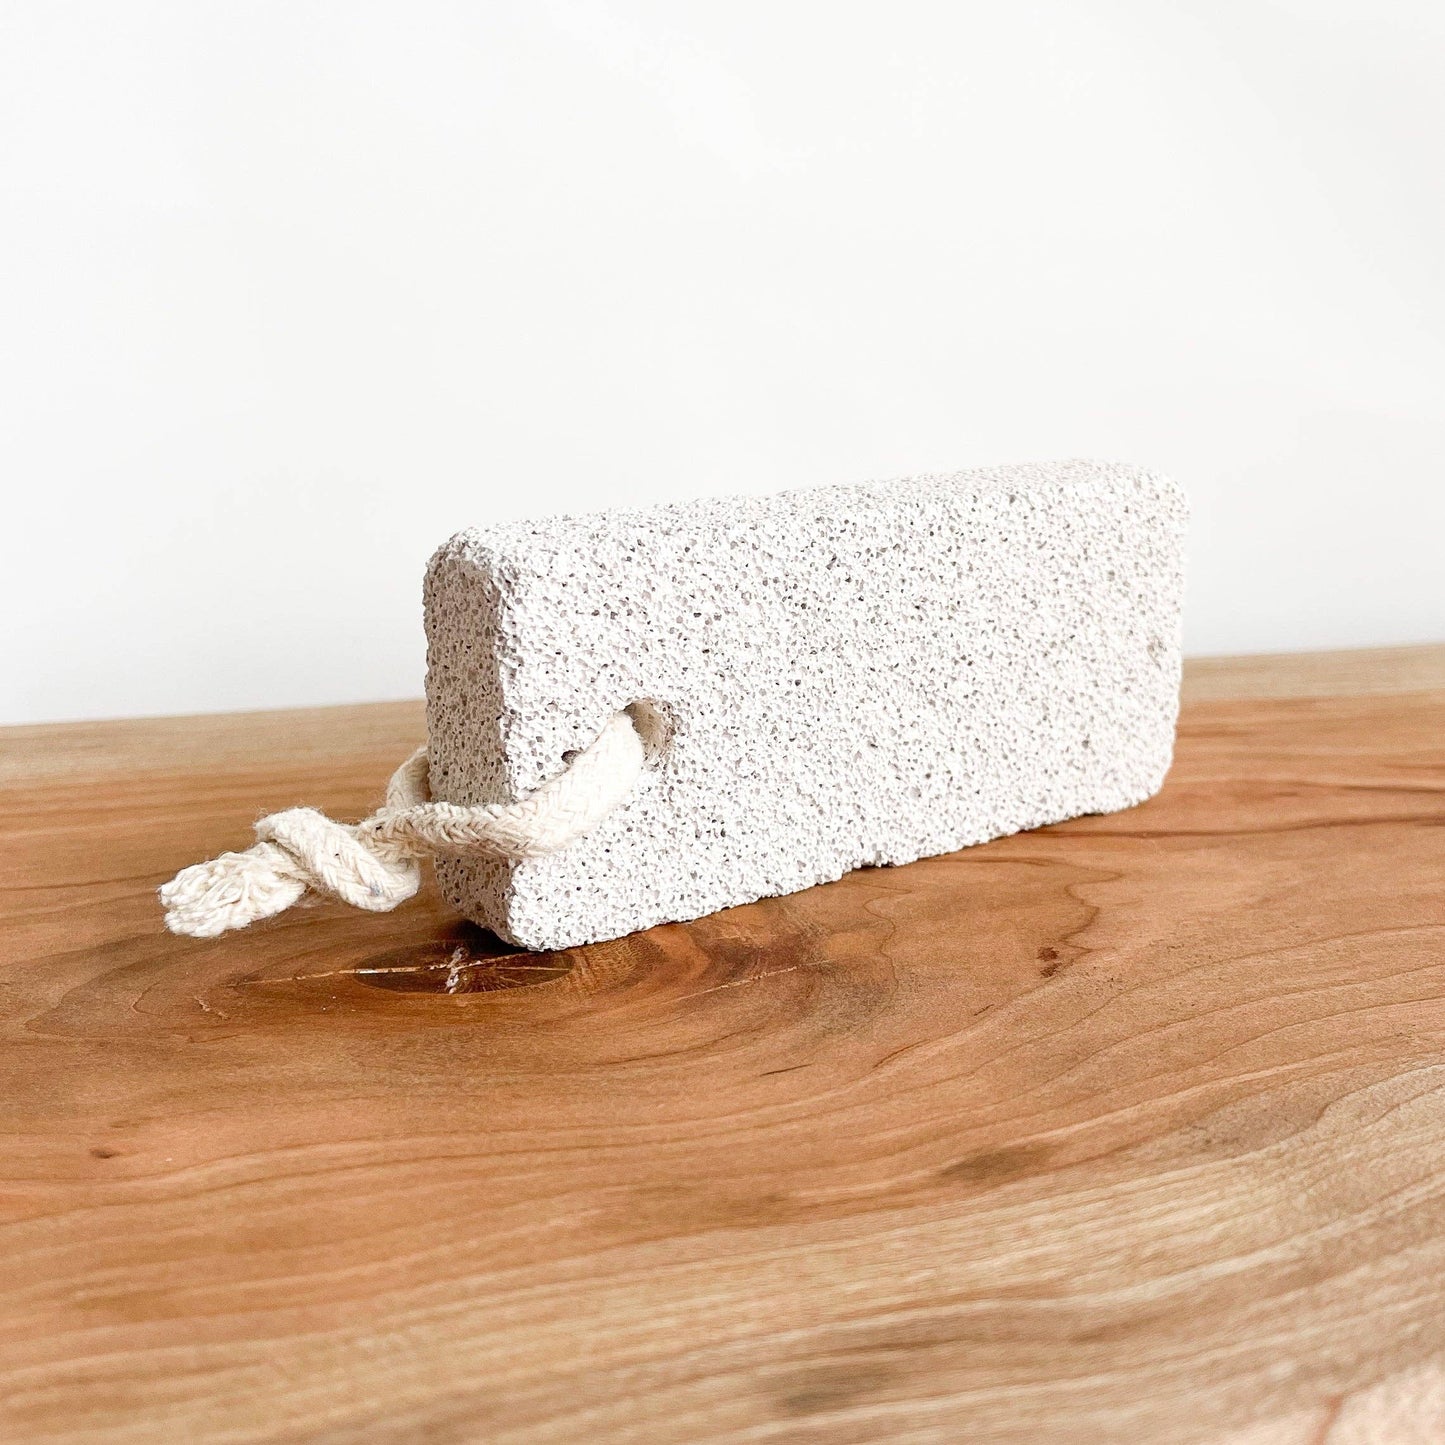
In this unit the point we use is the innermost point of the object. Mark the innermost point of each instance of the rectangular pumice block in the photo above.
(847, 676)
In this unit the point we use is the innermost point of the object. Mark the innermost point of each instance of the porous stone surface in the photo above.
(840, 677)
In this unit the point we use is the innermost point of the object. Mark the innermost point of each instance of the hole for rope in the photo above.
(654, 724)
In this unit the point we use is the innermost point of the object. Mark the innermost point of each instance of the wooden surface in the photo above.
(1128, 1129)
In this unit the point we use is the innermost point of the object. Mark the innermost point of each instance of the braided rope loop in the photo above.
(376, 864)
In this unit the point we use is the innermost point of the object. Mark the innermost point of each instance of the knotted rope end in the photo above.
(230, 891)
(375, 864)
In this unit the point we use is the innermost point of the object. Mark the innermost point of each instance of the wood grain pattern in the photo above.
(1354, 673)
(1131, 1128)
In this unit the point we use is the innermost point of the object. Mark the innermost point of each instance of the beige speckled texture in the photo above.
(846, 676)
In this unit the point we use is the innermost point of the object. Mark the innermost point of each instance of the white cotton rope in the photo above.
(376, 863)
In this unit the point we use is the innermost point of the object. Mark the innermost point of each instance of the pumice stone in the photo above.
(820, 680)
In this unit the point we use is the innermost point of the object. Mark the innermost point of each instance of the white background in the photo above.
(291, 291)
